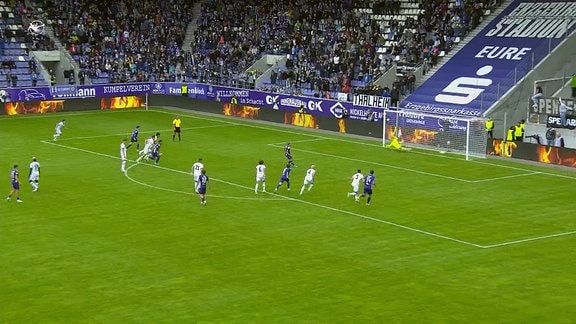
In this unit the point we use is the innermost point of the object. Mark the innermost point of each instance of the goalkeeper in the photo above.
(395, 142)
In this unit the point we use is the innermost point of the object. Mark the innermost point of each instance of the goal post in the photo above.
(454, 134)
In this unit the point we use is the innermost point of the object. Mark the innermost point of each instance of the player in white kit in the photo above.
(34, 175)
(309, 179)
(260, 176)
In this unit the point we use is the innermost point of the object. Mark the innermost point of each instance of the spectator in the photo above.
(559, 141)
(14, 79)
(550, 136)
(563, 109)
(394, 97)
(537, 94)
(82, 77)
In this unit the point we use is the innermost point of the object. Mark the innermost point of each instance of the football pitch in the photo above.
(444, 240)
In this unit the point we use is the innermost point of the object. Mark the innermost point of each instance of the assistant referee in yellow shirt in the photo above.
(176, 123)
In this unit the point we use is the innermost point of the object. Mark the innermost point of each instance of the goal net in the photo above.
(460, 135)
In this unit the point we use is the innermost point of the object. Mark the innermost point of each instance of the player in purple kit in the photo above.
(369, 183)
(202, 183)
(155, 153)
(288, 154)
(285, 177)
(134, 138)
(15, 181)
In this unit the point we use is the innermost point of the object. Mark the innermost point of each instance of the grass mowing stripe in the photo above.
(187, 192)
(351, 213)
(144, 132)
(412, 229)
(529, 240)
(377, 163)
(338, 137)
(505, 177)
(251, 123)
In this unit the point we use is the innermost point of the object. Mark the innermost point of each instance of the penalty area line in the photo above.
(156, 166)
(127, 135)
(531, 239)
(412, 229)
(284, 198)
(337, 137)
(301, 141)
(182, 191)
(379, 164)
(506, 177)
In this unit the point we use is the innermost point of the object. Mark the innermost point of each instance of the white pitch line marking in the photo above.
(247, 123)
(146, 132)
(187, 192)
(156, 166)
(362, 216)
(505, 177)
(301, 141)
(283, 198)
(528, 240)
(380, 164)
(221, 119)
(336, 209)
(60, 113)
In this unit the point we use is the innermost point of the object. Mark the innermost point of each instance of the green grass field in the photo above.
(444, 241)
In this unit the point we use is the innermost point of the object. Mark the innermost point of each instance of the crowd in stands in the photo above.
(437, 28)
(330, 45)
(13, 55)
(126, 40)
(34, 42)
(327, 43)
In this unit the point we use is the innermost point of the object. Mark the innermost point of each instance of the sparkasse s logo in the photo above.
(464, 90)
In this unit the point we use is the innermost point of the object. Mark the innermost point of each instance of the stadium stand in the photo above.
(16, 67)
(331, 46)
(123, 41)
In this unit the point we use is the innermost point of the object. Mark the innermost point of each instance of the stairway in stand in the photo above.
(465, 41)
(192, 27)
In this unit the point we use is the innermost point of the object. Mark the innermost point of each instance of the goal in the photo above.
(459, 135)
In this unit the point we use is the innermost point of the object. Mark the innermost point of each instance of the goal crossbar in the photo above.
(444, 133)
